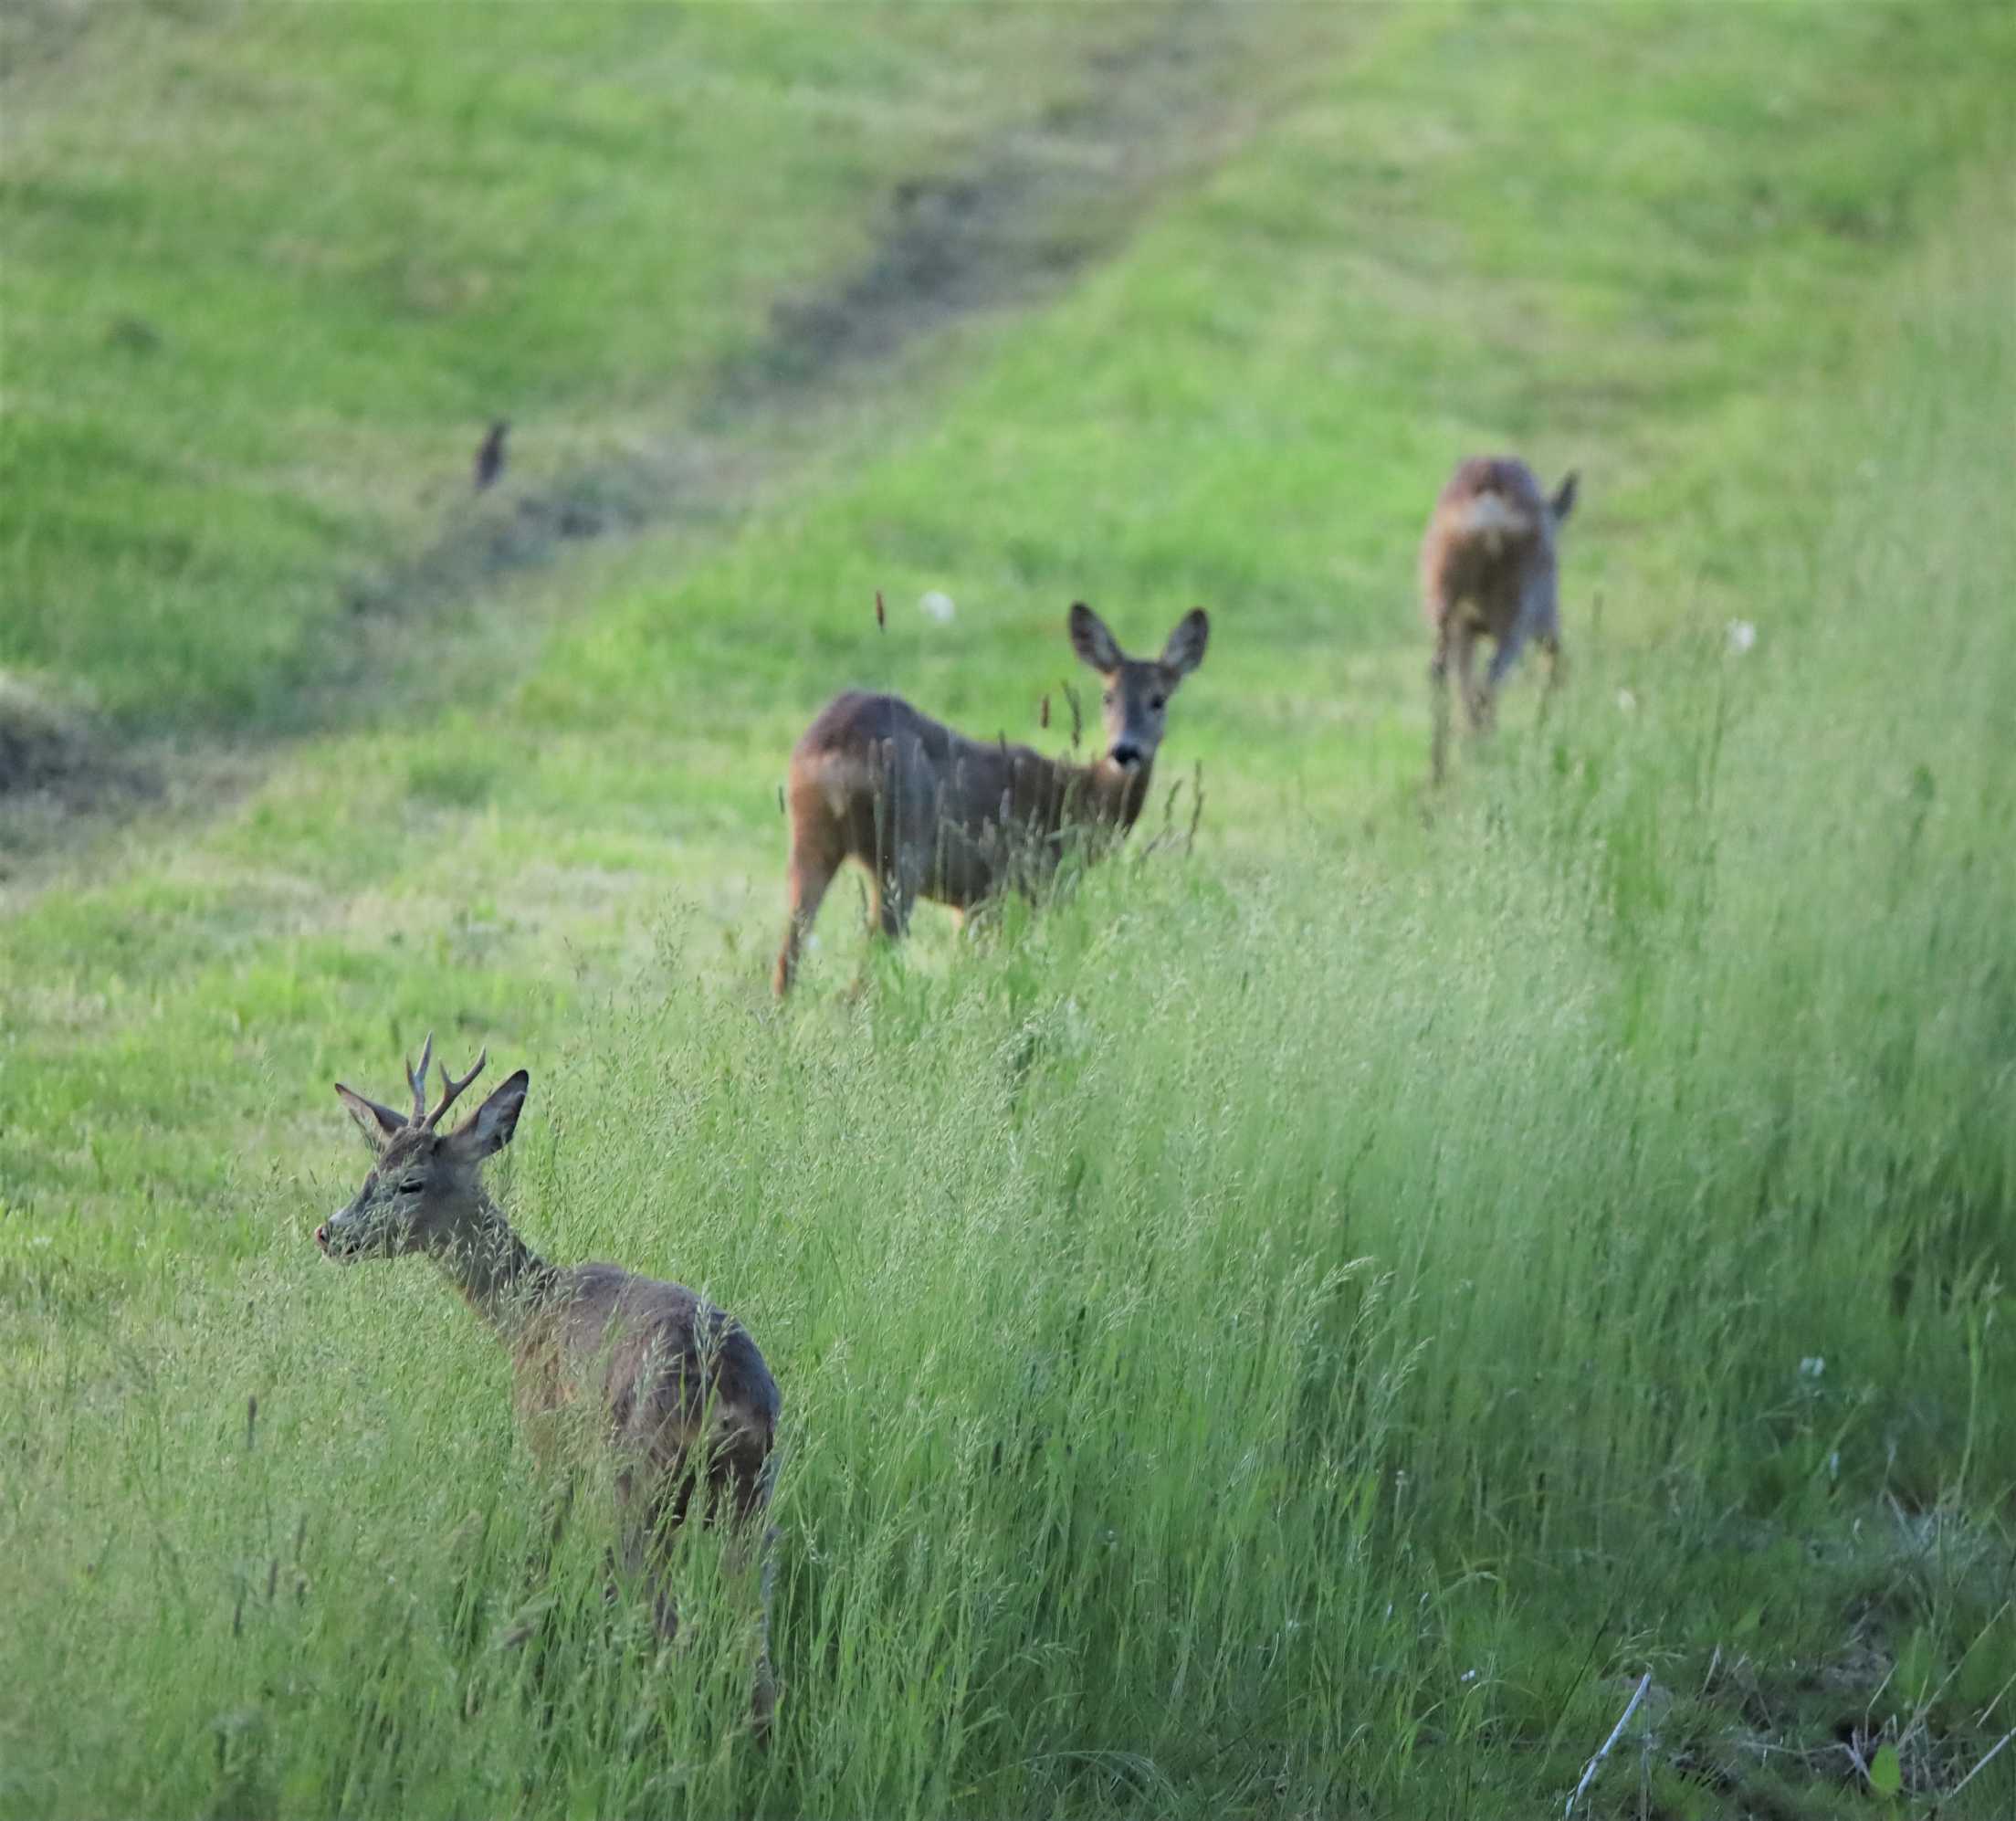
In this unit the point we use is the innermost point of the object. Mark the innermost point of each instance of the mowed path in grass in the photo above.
(1643, 241)
(270, 278)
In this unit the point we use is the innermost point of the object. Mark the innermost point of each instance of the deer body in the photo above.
(1489, 569)
(676, 1387)
(929, 812)
(671, 1386)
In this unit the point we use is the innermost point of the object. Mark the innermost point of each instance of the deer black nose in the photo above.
(1128, 755)
(321, 1235)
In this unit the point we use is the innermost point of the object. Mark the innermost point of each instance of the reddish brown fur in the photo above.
(1489, 569)
(673, 1388)
(928, 813)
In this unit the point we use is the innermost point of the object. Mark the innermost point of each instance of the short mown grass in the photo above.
(1296, 1328)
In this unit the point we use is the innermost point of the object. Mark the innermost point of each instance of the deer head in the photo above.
(1136, 700)
(422, 1192)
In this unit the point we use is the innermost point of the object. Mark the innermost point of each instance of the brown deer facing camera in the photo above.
(673, 1388)
(929, 812)
(1489, 568)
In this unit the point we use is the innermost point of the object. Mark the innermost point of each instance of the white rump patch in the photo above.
(1488, 512)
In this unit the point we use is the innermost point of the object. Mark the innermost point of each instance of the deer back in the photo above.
(656, 1368)
(1490, 539)
(896, 789)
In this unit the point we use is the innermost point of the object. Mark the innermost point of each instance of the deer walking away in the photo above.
(1489, 569)
(676, 1387)
(929, 812)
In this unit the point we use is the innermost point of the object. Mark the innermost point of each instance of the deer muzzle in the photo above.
(338, 1238)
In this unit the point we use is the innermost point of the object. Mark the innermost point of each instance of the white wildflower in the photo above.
(935, 605)
(1742, 636)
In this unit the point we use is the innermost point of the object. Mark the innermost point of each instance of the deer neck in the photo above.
(1106, 794)
(499, 1275)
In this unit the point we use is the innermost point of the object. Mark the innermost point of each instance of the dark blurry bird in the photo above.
(489, 457)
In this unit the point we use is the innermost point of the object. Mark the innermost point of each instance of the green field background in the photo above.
(1299, 1326)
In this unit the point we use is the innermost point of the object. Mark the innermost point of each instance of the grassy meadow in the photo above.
(1302, 1324)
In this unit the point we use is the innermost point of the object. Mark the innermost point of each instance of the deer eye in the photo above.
(1156, 702)
(412, 1186)
(1107, 698)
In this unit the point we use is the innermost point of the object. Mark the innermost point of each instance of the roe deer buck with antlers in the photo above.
(676, 1387)
(1489, 568)
(931, 814)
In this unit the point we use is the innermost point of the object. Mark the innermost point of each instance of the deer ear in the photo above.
(1093, 643)
(488, 1129)
(378, 1124)
(1563, 501)
(1185, 649)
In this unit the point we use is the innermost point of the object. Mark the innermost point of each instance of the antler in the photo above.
(454, 1087)
(417, 1078)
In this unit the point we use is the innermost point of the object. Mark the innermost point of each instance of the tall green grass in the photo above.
(1284, 1341)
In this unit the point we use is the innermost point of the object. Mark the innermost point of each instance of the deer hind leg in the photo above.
(814, 860)
(1539, 615)
(1536, 618)
(894, 882)
(646, 1552)
(747, 1478)
(892, 898)
(647, 1517)
(758, 1540)
(1503, 659)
